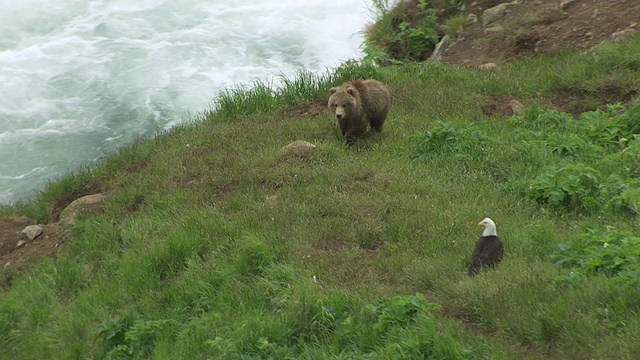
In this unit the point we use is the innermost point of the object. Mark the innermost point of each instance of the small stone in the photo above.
(565, 4)
(31, 232)
(497, 12)
(20, 244)
(493, 30)
(492, 14)
(622, 34)
(516, 107)
(297, 148)
(488, 66)
(69, 214)
(442, 46)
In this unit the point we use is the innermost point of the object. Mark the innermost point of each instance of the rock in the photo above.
(565, 4)
(622, 34)
(297, 148)
(493, 30)
(497, 12)
(20, 244)
(90, 202)
(442, 46)
(488, 66)
(31, 232)
(516, 106)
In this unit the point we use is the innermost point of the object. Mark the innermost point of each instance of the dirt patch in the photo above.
(188, 181)
(12, 258)
(308, 110)
(503, 106)
(530, 28)
(225, 191)
(578, 101)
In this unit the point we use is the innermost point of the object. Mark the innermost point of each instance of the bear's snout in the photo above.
(339, 113)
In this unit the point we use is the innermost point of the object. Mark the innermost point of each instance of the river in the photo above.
(79, 79)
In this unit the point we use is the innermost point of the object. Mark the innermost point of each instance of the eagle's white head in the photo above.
(489, 227)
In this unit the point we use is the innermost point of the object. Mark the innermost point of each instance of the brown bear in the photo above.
(358, 104)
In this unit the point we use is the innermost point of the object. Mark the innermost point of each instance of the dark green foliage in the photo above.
(401, 327)
(408, 32)
(463, 141)
(128, 339)
(594, 163)
(397, 311)
(571, 186)
(414, 40)
(608, 252)
(541, 118)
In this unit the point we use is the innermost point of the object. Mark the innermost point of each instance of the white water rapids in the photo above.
(80, 78)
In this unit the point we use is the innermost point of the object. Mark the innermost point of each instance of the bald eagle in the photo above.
(489, 249)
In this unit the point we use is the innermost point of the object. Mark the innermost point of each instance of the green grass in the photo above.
(211, 245)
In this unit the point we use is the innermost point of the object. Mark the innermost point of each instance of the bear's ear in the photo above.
(333, 90)
(351, 90)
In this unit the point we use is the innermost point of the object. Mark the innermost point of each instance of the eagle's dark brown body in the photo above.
(487, 253)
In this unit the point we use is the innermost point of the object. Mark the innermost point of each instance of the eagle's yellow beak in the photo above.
(481, 224)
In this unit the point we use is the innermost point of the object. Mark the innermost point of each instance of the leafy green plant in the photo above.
(604, 128)
(415, 39)
(462, 140)
(608, 252)
(126, 341)
(397, 311)
(400, 327)
(543, 118)
(570, 144)
(572, 186)
(408, 32)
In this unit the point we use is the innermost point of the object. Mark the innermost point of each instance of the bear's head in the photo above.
(342, 101)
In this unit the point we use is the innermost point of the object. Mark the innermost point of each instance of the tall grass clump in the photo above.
(304, 87)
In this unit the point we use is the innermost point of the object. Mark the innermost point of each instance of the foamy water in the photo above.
(80, 78)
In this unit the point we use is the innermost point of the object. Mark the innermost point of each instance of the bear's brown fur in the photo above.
(358, 104)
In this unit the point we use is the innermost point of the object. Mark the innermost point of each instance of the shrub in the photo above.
(540, 118)
(572, 186)
(400, 327)
(464, 141)
(127, 341)
(405, 33)
(612, 253)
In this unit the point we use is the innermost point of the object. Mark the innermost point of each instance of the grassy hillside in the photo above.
(213, 245)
